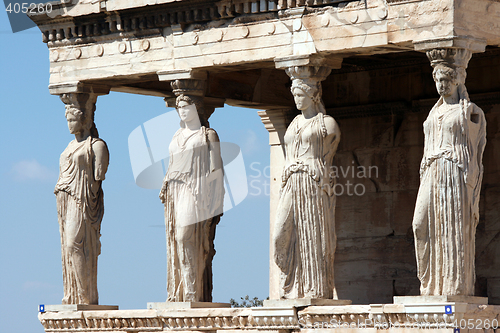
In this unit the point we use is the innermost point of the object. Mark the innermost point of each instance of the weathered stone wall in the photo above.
(375, 258)
(488, 231)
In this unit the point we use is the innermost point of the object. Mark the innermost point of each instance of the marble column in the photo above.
(275, 122)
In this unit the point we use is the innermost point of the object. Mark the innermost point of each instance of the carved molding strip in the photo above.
(397, 2)
(148, 321)
(140, 22)
(484, 101)
(380, 321)
(379, 316)
(232, 8)
(350, 65)
(424, 105)
(369, 110)
(286, 4)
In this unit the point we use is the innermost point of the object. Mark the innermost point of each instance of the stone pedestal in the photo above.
(185, 305)
(302, 302)
(75, 307)
(439, 299)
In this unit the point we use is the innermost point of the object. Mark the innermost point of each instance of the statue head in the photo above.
(306, 94)
(75, 120)
(80, 109)
(449, 71)
(446, 80)
(306, 86)
(188, 108)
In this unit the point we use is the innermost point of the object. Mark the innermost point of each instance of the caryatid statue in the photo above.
(80, 206)
(447, 207)
(193, 193)
(304, 236)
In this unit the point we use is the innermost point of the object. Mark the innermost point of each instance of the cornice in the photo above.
(101, 23)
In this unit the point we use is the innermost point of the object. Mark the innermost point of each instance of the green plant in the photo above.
(247, 302)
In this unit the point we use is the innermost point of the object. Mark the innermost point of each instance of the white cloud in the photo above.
(32, 170)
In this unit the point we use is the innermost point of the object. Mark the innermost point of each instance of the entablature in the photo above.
(128, 48)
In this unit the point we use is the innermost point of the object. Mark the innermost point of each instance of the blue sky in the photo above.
(132, 266)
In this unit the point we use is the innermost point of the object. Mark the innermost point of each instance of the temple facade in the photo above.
(380, 90)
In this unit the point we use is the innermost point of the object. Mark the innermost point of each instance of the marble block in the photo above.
(439, 299)
(186, 305)
(305, 302)
(77, 307)
(253, 331)
(283, 311)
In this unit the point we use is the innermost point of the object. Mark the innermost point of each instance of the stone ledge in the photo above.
(371, 317)
(465, 42)
(76, 307)
(439, 299)
(186, 305)
(305, 302)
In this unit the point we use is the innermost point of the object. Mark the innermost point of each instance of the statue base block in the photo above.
(185, 305)
(78, 307)
(284, 303)
(440, 299)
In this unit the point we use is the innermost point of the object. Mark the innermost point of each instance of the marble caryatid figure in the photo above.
(80, 206)
(193, 193)
(304, 235)
(447, 207)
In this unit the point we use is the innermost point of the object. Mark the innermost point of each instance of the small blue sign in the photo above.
(456, 330)
(41, 308)
(447, 309)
